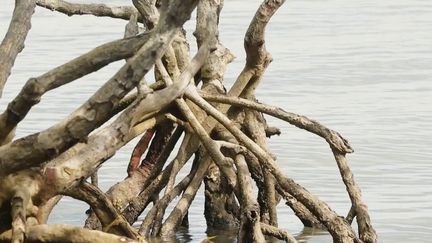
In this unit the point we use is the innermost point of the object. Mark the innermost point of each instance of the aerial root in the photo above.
(18, 213)
(225, 130)
(278, 233)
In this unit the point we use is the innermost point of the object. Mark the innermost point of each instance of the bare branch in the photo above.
(207, 11)
(178, 161)
(250, 230)
(148, 11)
(334, 139)
(256, 53)
(139, 150)
(33, 150)
(351, 214)
(138, 204)
(186, 76)
(105, 142)
(366, 231)
(18, 212)
(57, 161)
(176, 216)
(112, 221)
(155, 215)
(339, 228)
(178, 121)
(212, 147)
(278, 233)
(132, 28)
(13, 43)
(254, 124)
(303, 214)
(87, 63)
(100, 10)
(44, 210)
(67, 233)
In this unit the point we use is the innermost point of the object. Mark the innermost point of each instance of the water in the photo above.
(363, 68)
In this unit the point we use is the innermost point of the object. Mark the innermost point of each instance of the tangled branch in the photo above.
(187, 104)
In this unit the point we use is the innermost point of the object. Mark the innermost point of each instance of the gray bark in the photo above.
(13, 43)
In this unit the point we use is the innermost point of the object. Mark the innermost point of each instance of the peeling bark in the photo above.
(138, 151)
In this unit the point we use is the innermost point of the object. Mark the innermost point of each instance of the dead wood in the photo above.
(334, 139)
(336, 226)
(92, 113)
(176, 216)
(112, 221)
(277, 233)
(366, 231)
(267, 193)
(87, 63)
(67, 233)
(194, 66)
(139, 150)
(100, 10)
(18, 214)
(250, 228)
(140, 202)
(153, 220)
(148, 11)
(13, 42)
(225, 130)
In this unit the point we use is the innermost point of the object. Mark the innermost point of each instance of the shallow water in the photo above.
(363, 68)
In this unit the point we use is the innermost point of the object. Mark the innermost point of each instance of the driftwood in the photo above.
(13, 42)
(225, 130)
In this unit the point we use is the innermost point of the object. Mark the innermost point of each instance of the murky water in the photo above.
(363, 68)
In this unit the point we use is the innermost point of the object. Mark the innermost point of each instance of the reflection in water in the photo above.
(363, 68)
(182, 235)
(221, 236)
(308, 232)
(227, 236)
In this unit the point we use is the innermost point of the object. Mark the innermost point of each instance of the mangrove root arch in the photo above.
(224, 130)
